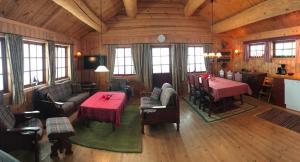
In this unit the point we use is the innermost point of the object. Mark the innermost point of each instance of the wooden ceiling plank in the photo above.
(130, 7)
(191, 6)
(262, 11)
(83, 13)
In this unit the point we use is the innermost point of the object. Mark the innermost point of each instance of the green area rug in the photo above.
(99, 135)
(237, 108)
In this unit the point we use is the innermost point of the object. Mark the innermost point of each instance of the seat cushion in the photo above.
(68, 107)
(34, 122)
(79, 98)
(59, 127)
(148, 102)
(7, 118)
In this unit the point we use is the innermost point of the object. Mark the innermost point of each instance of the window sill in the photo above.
(31, 88)
(123, 75)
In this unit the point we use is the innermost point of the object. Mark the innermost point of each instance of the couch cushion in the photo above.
(166, 96)
(166, 85)
(156, 93)
(7, 118)
(148, 102)
(79, 98)
(68, 107)
(34, 122)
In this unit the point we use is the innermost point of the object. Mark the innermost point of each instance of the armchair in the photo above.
(164, 110)
(120, 84)
(20, 131)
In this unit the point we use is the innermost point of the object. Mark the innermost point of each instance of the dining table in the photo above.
(222, 88)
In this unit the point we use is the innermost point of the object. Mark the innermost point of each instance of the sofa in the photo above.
(165, 109)
(65, 99)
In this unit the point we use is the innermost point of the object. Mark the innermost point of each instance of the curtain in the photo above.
(208, 66)
(111, 49)
(51, 62)
(268, 52)
(142, 58)
(246, 52)
(71, 64)
(14, 50)
(179, 64)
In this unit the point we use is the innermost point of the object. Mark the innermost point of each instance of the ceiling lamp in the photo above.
(212, 54)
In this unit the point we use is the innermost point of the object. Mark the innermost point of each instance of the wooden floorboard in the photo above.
(242, 138)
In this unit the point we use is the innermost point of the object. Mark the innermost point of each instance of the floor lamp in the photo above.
(101, 69)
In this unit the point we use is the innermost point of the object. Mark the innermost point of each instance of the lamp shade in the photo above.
(101, 69)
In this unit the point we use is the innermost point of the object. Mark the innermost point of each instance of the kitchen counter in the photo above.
(293, 77)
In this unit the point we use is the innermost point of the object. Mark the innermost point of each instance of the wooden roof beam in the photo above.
(130, 7)
(191, 6)
(261, 11)
(83, 13)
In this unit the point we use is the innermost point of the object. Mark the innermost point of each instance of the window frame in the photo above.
(4, 66)
(255, 44)
(194, 46)
(284, 41)
(43, 60)
(66, 62)
(170, 61)
(124, 47)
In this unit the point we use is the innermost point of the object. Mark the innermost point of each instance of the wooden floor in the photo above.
(241, 138)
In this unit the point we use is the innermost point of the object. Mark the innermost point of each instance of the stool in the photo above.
(59, 130)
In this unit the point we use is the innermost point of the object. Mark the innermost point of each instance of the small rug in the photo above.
(235, 109)
(99, 135)
(282, 118)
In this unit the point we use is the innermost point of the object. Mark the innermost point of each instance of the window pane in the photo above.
(26, 50)
(39, 51)
(33, 65)
(164, 51)
(190, 59)
(192, 67)
(165, 68)
(165, 60)
(39, 64)
(127, 52)
(32, 50)
(199, 50)
(116, 70)
(1, 67)
(128, 70)
(191, 51)
(26, 78)
(155, 52)
(288, 45)
(40, 76)
(156, 69)
(121, 70)
(1, 83)
(120, 52)
(26, 64)
(63, 72)
(156, 60)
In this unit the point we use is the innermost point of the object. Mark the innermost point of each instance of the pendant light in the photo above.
(212, 54)
(101, 68)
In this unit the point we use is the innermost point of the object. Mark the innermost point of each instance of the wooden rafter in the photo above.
(191, 6)
(130, 7)
(264, 10)
(83, 13)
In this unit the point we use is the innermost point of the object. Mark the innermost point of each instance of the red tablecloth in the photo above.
(98, 108)
(226, 88)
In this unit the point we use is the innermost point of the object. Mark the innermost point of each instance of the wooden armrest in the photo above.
(155, 107)
(24, 129)
(32, 112)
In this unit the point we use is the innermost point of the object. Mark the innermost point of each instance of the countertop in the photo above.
(296, 76)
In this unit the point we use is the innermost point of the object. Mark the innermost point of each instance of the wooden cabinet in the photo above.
(277, 96)
(254, 80)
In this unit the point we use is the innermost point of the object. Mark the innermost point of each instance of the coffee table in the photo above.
(104, 106)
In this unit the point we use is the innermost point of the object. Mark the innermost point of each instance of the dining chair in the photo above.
(266, 89)
(238, 77)
(198, 90)
(191, 86)
(209, 99)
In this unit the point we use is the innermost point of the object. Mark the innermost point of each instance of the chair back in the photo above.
(190, 79)
(229, 75)
(196, 82)
(268, 82)
(205, 84)
(238, 77)
(168, 97)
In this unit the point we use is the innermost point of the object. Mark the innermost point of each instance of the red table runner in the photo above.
(103, 108)
(226, 88)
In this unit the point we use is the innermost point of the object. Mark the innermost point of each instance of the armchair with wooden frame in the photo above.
(20, 131)
(164, 110)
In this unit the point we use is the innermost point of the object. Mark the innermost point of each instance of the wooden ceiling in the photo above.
(47, 14)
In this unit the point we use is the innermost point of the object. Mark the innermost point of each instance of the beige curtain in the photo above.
(51, 62)
(246, 52)
(179, 64)
(14, 51)
(142, 58)
(111, 49)
(71, 64)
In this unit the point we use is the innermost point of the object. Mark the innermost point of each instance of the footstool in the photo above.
(59, 130)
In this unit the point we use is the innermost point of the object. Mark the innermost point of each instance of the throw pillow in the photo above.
(156, 93)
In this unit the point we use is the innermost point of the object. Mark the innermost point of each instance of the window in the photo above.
(34, 64)
(161, 59)
(196, 61)
(285, 48)
(61, 59)
(3, 69)
(257, 50)
(123, 62)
